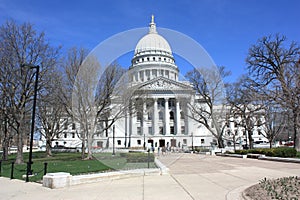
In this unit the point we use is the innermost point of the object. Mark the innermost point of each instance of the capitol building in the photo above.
(162, 119)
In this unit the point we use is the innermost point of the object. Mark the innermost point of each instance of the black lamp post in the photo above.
(37, 67)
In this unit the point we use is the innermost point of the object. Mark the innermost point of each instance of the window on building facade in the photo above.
(161, 72)
(160, 103)
(183, 129)
(139, 116)
(202, 141)
(66, 125)
(139, 130)
(171, 115)
(65, 135)
(181, 115)
(73, 126)
(171, 103)
(167, 73)
(119, 142)
(184, 141)
(139, 142)
(73, 135)
(154, 73)
(150, 131)
(161, 130)
(160, 115)
(149, 115)
(172, 130)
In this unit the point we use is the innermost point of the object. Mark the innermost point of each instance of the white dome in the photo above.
(153, 41)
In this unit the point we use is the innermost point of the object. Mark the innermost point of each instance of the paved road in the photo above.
(191, 177)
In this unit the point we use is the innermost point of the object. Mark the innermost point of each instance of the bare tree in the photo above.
(247, 107)
(52, 113)
(274, 68)
(21, 44)
(275, 120)
(80, 89)
(97, 102)
(209, 109)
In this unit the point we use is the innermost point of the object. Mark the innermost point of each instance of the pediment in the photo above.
(162, 83)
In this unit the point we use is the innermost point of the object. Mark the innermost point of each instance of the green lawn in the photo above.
(72, 163)
(60, 162)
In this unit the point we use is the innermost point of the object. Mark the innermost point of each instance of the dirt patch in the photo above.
(282, 188)
(256, 192)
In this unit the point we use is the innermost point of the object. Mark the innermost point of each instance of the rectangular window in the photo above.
(184, 141)
(139, 130)
(149, 116)
(65, 135)
(73, 135)
(183, 129)
(139, 142)
(150, 130)
(161, 130)
(73, 126)
(172, 130)
(202, 141)
(119, 142)
(66, 125)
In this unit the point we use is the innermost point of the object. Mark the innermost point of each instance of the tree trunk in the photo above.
(83, 150)
(5, 148)
(250, 139)
(220, 142)
(48, 147)
(296, 136)
(234, 145)
(20, 136)
(19, 158)
(5, 142)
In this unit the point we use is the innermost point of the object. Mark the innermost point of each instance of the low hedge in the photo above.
(137, 157)
(284, 152)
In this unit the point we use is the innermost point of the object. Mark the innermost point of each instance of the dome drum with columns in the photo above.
(162, 119)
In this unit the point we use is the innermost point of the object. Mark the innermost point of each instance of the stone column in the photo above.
(167, 117)
(186, 118)
(155, 117)
(145, 117)
(178, 125)
(130, 128)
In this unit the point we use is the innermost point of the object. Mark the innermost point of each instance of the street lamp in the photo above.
(37, 68)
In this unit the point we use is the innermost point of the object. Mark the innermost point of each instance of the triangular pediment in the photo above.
(162, 83)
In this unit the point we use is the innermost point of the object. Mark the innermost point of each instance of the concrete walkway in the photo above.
(191, 177)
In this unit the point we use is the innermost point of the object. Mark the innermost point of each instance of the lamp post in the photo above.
(37, 68)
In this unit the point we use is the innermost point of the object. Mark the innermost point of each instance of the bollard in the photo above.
(12, 170)
(45, 168)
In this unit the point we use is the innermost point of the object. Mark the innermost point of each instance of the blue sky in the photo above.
(225, 28)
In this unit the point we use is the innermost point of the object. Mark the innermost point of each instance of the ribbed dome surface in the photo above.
(153, 41)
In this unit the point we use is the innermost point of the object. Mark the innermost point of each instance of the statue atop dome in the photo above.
(152, 25)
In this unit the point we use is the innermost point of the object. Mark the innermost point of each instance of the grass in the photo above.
(59, 162)
(72, 163)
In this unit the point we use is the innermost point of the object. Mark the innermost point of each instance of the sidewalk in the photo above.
(191, 176)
